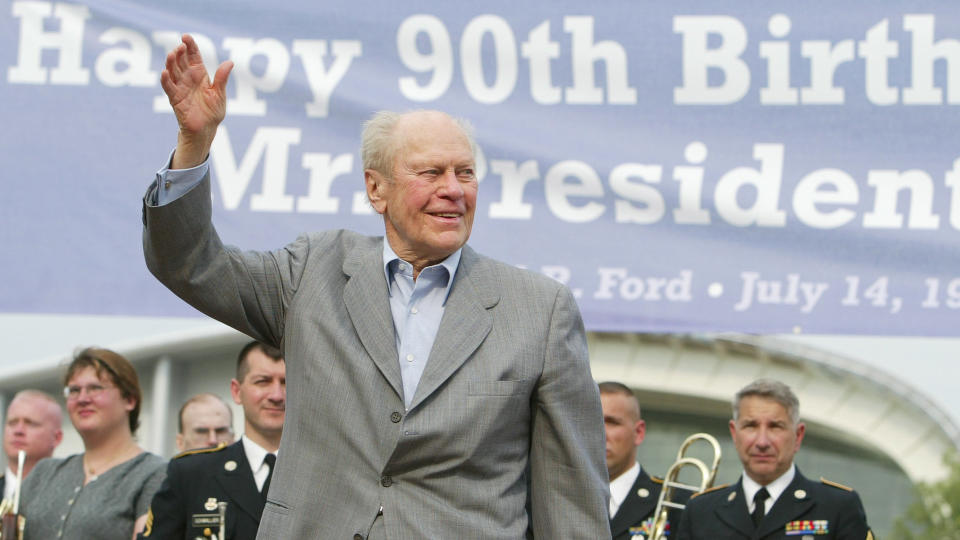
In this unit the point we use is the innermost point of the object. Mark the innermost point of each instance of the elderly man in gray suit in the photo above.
(429, 388)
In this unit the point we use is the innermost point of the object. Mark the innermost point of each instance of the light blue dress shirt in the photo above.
(416, 305)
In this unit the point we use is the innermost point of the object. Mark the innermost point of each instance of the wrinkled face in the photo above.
(624, 432)
(766, 438)
(262, 393)
(428, 204)
(97, 404)
(33, 425)
(205, 423)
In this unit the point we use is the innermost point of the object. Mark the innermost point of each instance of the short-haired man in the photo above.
(633, 493)
(33, 425)
(205, 420)
(772, 500)
(239, 474)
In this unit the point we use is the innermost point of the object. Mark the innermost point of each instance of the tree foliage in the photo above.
(935, 513)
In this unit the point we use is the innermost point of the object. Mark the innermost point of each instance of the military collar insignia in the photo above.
(230, 466)
(210, 505)
(643, 493)
(800, 494)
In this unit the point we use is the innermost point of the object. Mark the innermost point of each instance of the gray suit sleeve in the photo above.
(243, 289)
(569, 487)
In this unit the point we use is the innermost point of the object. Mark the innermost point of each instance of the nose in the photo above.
(211, 437)
(450, 185)
(278, 393)
(763, 440)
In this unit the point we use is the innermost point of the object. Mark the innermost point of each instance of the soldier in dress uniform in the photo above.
(633, 493)
(188, 504)
(772, 500)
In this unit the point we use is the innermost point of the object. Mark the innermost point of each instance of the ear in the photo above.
(180, 447)
(376, 189)
(640, 431)
(733, 430)
(57, 437)
(801, 429)
(235, 391)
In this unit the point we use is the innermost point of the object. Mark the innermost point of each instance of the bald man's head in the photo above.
(33, 425)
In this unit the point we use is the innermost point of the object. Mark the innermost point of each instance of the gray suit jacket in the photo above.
(507, 383)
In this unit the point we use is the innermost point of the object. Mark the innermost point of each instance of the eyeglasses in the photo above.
(72, 392)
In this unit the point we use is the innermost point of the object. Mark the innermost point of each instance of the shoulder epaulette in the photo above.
(836, 485)
(656, 479)
(708, 490)
(216, 448)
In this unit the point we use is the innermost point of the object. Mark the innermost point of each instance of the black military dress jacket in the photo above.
(806, 510)
(186, 505)
(630, 523)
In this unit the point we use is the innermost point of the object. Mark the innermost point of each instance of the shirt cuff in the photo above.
(171, 184)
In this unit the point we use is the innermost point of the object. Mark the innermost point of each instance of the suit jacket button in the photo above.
(395, 417)
(386, 481)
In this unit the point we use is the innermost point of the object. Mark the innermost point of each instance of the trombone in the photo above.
(670, 482)
(11, 526)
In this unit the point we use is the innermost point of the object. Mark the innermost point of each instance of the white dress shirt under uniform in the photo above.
(620, 487)
(775, 489)
(256, 455)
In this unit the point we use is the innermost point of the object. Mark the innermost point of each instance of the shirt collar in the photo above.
(620, 486)
(775, 488)
(451, 263)
(254, 452)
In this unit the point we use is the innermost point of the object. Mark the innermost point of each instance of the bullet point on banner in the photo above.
(715, 290)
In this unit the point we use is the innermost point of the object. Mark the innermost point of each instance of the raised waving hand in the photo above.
(198, 104)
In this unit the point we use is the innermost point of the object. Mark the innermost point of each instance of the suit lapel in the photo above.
(464, 326)
(788, 506)
(634, 508)
(239, 483)
(734, 513)
(368, 305)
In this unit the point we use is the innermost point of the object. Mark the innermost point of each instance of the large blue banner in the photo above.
(752, 166)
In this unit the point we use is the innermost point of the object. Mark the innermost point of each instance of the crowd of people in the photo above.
(434, 392)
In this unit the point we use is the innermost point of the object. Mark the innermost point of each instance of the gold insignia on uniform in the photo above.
(732, 496)
(210, 505)
(643, 493)
(230, 466)
(836, 485)
(869, 535)
(207, 532)
(148, 528)
(216, 448)
(709, 490)
(800, 494)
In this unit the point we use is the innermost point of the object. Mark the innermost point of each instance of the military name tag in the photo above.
(205, 520)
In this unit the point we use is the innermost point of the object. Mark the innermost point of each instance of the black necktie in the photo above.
(758, 506)
(270, 460)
